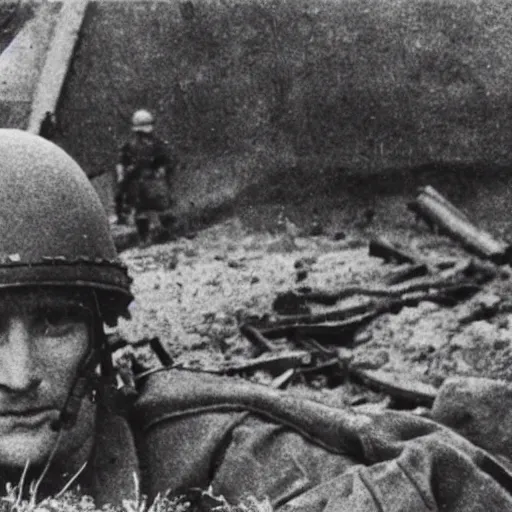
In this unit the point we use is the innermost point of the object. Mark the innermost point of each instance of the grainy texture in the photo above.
(12, 17)
(194, 293)
(247, 89)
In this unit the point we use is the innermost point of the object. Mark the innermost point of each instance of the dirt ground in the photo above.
(194, 293)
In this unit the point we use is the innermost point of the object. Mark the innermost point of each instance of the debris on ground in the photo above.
(377, 318)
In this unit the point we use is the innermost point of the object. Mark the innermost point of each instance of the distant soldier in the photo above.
(144, 173)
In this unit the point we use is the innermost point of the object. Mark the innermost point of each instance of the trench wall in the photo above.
(306, 90)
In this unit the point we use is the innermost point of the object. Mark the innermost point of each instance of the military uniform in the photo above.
(148, 170)
(190, 430)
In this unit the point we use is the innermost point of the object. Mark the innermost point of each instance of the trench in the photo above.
(338, 200)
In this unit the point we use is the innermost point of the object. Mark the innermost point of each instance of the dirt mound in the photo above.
(194, 294)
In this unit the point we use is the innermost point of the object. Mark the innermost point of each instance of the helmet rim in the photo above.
(54, 228)
(111, 278)
(143, 128)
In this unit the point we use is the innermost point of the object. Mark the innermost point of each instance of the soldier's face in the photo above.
(43, 339)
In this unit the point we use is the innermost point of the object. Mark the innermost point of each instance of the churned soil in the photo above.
(195, 292)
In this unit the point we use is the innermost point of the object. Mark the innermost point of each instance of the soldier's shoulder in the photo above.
(174, 392)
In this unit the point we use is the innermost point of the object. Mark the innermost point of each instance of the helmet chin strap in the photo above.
(81, 385)
(85, 378)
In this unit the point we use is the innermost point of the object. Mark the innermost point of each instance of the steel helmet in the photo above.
(53, 228)
(142, 121)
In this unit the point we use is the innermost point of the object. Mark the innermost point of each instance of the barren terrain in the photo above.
(195, 293)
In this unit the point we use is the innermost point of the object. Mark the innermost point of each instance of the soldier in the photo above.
(61, 282)
(144, 175)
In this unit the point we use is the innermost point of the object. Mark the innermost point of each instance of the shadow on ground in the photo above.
(345, 203)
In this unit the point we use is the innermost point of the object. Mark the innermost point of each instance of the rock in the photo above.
(372, 360)
(480, 409)
(300, 275)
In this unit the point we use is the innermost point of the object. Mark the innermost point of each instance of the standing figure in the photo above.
(144, 173)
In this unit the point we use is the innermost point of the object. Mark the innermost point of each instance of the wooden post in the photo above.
(452, 222)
